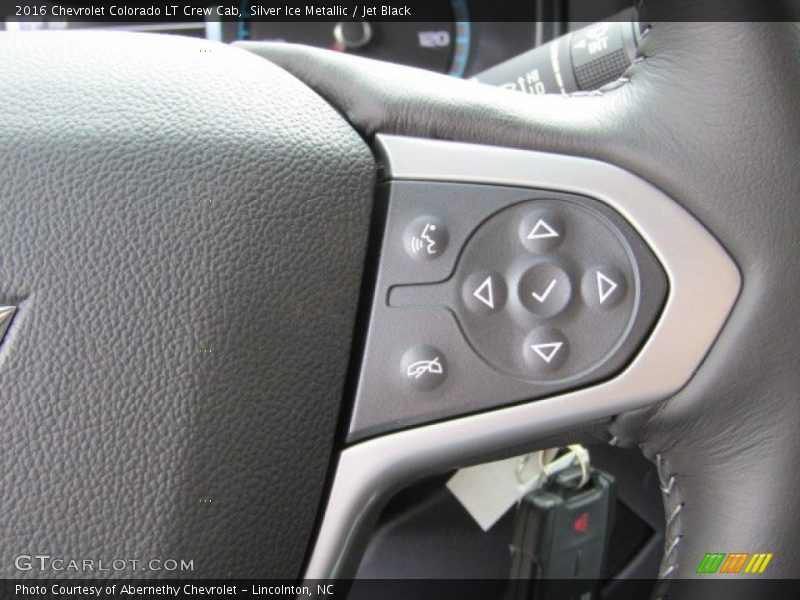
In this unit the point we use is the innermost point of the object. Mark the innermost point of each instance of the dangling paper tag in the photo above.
(488, 491)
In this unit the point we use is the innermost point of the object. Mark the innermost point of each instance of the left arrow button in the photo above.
(484, 292)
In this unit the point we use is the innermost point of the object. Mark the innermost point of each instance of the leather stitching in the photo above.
(668, 482)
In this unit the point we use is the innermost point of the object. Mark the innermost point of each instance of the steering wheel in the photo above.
(209, 251)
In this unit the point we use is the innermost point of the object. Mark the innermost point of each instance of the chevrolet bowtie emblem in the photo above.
(6, 316)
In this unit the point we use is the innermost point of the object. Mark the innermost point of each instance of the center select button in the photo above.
(545, 289)
(484, 292)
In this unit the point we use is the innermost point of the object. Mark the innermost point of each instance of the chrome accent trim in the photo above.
(704, 284)
(6, 316)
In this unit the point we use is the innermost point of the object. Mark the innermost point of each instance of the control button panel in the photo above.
(574, 291)
(489, 295)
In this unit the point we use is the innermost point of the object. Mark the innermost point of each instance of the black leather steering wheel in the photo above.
(184, 233)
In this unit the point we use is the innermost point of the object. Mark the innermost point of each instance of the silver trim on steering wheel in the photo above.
(703, 286)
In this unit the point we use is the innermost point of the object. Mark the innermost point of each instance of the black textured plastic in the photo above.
(487, 344)
(595, 74)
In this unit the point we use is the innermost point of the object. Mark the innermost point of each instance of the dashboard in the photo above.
(460, 41)
(441, 46)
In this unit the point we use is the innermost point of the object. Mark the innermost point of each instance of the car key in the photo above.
(561, 536)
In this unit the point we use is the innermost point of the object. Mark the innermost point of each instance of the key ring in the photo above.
(576, 453)
(523, 461)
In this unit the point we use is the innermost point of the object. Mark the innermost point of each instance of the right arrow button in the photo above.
(603, 287)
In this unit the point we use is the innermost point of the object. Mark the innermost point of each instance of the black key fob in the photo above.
(561, 537)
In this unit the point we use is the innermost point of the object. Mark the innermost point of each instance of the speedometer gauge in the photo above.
(441, 46)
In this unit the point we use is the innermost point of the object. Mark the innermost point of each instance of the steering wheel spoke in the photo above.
(703, 286)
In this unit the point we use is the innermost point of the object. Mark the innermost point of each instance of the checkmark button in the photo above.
(545, 289)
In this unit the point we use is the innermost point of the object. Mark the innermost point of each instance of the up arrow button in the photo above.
(541, 231)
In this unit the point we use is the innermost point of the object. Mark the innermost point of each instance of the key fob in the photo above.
(560, 538)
